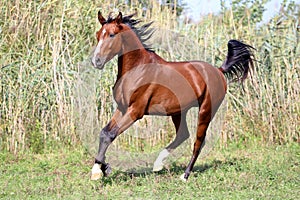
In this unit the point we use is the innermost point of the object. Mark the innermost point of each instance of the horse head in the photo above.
(109, 40)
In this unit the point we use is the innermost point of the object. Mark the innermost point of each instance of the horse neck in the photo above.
(128, 61)
(133, 54)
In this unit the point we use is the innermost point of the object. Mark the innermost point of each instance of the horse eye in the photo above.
(112, 35)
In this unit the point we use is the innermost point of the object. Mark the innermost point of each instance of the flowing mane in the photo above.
(143, 32)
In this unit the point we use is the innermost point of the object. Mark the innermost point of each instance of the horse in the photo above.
(146, 84)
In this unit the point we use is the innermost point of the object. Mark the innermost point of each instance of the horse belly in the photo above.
(168, 102)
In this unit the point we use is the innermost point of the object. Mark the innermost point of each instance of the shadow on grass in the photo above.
(174, 169)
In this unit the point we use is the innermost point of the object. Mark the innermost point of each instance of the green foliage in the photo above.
(248, 11)
(176, 6)
(35, 139)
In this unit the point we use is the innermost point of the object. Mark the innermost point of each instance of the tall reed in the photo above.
(51, 96)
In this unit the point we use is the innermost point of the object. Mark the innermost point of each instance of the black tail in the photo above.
(238, 62)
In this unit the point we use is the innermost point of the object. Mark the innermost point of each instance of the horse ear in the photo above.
(101, 19)
(119, 18)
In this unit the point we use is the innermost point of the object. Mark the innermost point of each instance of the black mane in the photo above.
(143, 32)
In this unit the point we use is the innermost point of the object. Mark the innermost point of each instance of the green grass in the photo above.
(252, 172)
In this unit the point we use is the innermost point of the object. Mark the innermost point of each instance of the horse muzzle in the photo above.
(98, 62)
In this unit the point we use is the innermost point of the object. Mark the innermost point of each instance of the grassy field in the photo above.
(248, 172)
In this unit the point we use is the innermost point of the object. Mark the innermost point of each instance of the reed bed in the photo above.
(51, 96)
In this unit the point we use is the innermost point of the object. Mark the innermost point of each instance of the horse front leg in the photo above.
(107, 135)
(118, 124)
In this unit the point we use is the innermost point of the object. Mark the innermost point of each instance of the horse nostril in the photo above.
(94, 61)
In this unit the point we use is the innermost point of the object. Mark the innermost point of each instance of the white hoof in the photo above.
(96, 176)
(96, 172)
(182, 178)
(158, 167)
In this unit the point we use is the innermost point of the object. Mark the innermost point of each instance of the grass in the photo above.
(249, 172)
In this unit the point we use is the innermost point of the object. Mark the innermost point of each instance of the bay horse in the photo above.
(146, 84)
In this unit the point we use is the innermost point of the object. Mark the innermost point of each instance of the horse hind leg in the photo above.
(182, 134)
(204, 119)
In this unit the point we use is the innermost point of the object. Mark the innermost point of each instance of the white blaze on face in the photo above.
(98, 48)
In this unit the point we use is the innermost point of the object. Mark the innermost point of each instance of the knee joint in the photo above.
(107, 136)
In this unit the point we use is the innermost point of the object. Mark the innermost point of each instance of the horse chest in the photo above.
(124, 89)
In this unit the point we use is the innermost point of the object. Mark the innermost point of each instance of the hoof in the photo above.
(96, 172)
(96, 176)
(182, 177)
(158, 167)
(106, 169)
